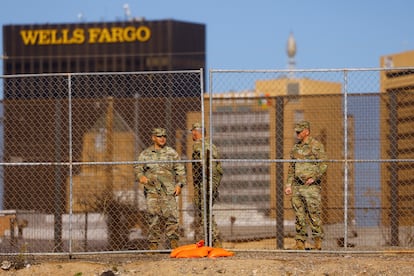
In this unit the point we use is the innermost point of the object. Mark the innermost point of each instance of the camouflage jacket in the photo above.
(161, 175)
(312, 149)
(197, 166)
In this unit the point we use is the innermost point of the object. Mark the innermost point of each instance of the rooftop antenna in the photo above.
(127, 12)
(80, 17)
(291, 52)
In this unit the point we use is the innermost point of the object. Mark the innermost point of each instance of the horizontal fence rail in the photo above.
(70, 143)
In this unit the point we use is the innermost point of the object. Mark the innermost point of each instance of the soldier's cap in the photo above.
(159, 131)
(301, 126)
(196, 125)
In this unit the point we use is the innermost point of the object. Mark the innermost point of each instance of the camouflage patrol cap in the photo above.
(196, 125)
(302, 125)
(159, 132)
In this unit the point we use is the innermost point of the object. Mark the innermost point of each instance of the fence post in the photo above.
(279, 173)
(394, 221)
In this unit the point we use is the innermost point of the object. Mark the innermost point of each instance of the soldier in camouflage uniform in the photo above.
(162, 184)
(304, 183)
(217, 170)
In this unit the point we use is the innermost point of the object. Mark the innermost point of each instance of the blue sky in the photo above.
(253, 34)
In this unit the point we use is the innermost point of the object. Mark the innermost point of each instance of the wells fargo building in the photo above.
(36, 126)
(102, 47)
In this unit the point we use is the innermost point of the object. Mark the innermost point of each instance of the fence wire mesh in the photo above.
(70, 144)
(364, 119)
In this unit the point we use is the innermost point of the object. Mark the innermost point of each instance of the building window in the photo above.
(298, 116)
(293, 88)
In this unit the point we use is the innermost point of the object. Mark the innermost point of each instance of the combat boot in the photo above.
(300, 245)
(317, 244)
(174, 244)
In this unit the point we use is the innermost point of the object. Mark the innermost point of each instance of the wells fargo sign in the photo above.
(90, 35)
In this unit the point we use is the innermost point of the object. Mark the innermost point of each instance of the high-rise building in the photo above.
(130, 46)
(397, 138)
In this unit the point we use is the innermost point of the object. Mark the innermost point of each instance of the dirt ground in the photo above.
(242, 263)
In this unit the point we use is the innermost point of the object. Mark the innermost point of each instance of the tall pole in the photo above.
(279, 173)
(394, 168)
(109, 127)
(58, 180)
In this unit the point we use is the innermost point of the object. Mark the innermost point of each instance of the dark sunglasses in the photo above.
(159, 136)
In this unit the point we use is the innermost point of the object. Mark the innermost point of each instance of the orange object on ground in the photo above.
(177, 250)
(199, 252)
(220, 252)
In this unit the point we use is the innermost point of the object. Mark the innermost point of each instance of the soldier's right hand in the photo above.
(143, 179)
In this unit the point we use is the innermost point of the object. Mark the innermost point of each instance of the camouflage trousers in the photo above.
(199, 223)
(306, 202)
(162, 217)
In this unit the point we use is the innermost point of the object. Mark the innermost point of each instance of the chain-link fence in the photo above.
(364, 118)
(70, 143)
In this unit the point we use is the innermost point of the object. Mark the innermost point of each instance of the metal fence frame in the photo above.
(212, 83)
(346, 161)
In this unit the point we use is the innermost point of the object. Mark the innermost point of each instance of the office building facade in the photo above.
(132, 46)
(397, 139)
